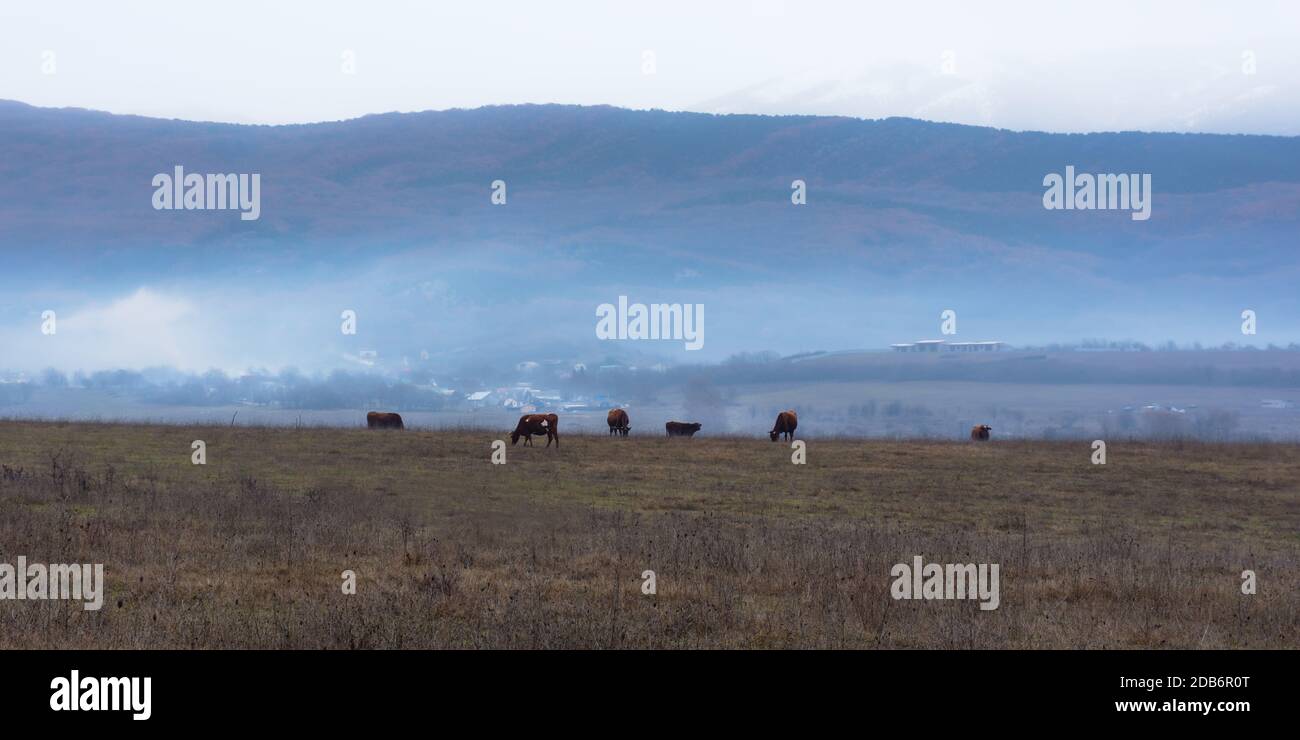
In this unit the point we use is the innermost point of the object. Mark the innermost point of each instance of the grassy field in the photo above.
(548, 550)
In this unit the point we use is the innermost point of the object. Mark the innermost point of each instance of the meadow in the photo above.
(549, 549)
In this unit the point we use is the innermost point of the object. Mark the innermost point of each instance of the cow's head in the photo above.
(514, 437)
(774, 434)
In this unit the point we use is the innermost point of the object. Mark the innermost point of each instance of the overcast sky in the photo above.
(1169, 66)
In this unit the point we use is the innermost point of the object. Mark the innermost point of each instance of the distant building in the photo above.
(921, 345)
(548, 399)
(942, 345)
(973, 346)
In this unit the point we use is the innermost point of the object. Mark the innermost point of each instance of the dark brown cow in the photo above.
(539, 424)
(382, 420)
(786, 421)
(980, 432)
(618, 422)
(682, 429)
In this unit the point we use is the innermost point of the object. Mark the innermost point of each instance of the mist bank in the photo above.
(394, 218)
(1201, 394)
(433, 384)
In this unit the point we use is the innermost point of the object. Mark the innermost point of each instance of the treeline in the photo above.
(897, 418)
(15, 393)
(1278, 369)
(287, 389)
(1129, 345)
(1119, 368)
(1211, 425)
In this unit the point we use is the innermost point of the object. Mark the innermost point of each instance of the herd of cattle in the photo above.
(548, 425)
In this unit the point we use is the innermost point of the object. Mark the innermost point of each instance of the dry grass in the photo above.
(547, 550)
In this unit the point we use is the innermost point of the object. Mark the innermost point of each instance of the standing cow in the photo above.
(980, 432)
(618, 422)
(382, 420)
(786, 421)
(681, 428)
(539, 424)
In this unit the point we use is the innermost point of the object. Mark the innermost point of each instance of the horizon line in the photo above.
(608, 106)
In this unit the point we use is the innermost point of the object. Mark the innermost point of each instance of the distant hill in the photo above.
(904, 218)
(71, 174)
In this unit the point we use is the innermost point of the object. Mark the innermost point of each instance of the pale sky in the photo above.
(1092, 66)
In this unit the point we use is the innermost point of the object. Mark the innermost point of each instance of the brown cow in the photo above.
(382, 420)
(618, 422)
(786, 421)
(980, 432)
(682, 429)
(539, 424)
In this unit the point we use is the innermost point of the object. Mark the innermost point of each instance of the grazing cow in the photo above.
(381, 420)
(980, 432)
(786, 421)
(618, 422)
(682, 429)
(539, 424)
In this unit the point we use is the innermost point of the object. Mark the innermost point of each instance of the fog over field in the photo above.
(1210, 395)
(493, 235)
(463, 267)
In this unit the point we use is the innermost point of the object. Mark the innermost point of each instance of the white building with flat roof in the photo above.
(943, 345)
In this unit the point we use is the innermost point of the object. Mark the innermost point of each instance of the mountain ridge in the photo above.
(903, 218)
(18, 104)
